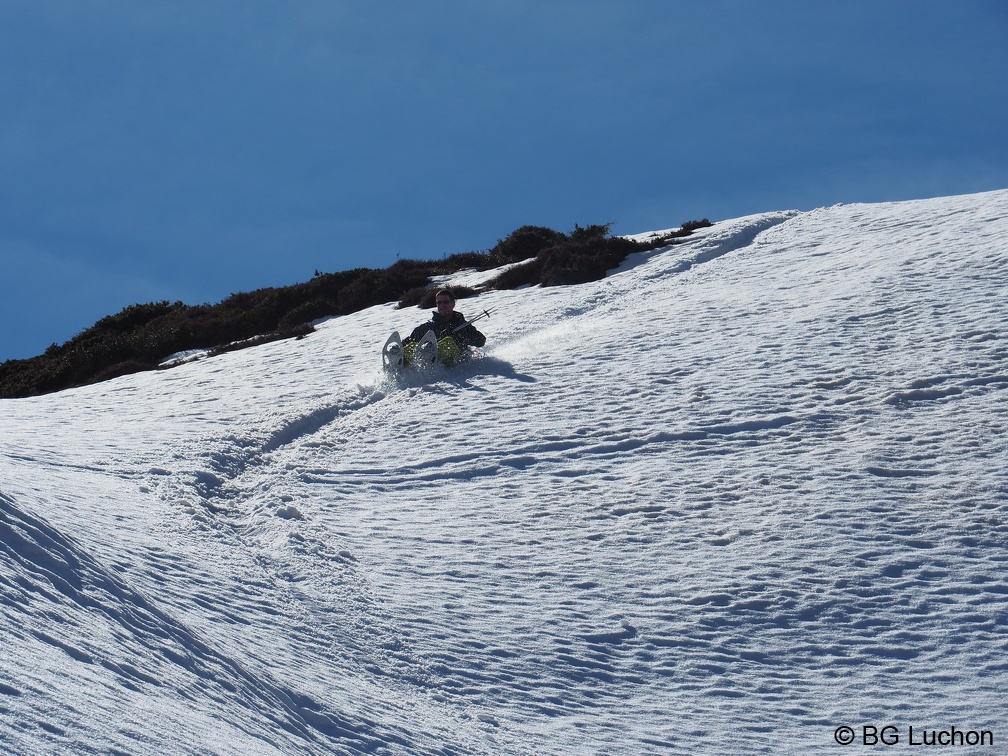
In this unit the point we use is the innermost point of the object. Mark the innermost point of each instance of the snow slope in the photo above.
(744, 491)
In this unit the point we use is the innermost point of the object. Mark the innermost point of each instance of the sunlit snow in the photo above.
(744, 491)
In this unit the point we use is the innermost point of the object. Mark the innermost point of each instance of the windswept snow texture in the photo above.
(742, 492)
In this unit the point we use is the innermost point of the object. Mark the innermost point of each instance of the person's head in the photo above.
(445, 302)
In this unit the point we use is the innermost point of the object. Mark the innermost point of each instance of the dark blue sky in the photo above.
(191, 149)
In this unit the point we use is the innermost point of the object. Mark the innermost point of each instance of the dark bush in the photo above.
(584, 259)
(594, 231)
(127, 367)
(463, 260)
(585, 255)
(136, 316)
(689, 227)
(414, 296)
(306, 313)
(528, 273)
(523, 244)
(686, 229)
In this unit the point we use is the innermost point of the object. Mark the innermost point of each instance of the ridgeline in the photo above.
(141, 336)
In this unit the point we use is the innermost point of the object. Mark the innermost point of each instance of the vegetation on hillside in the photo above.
(143, 335)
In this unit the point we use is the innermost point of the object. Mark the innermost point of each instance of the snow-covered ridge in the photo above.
(744, 491)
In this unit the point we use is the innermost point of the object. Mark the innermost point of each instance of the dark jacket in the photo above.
(467, 336)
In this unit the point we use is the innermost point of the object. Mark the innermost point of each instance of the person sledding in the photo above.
(454, 334)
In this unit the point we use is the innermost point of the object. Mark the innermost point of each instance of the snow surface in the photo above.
(745, 490)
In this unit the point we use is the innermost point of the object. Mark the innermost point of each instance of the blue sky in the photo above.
(190, 149)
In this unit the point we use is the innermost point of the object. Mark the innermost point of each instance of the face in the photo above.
(444, 305)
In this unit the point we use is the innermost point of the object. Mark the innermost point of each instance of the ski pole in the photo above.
(484, 314)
